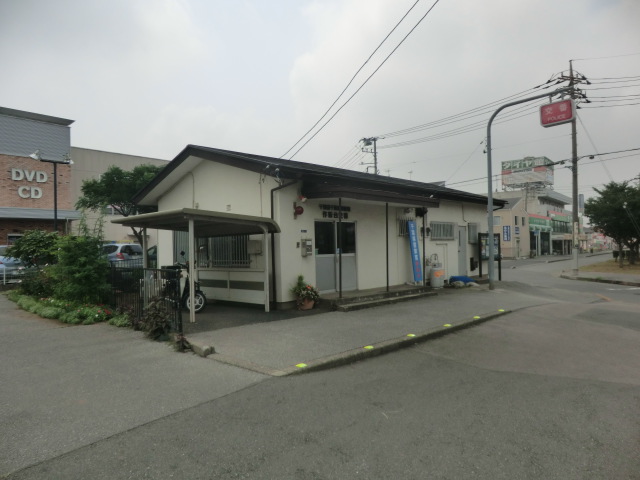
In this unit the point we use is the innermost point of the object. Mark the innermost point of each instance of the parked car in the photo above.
(131, 253)
(10, 267)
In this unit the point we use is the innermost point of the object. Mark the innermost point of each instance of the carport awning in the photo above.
(207, 223)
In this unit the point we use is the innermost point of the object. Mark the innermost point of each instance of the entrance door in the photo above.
(327, 259)
(462, 251)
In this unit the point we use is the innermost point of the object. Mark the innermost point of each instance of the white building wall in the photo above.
(218, 187)
(447, 250)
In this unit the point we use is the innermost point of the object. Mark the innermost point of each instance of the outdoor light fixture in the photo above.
(66, 160)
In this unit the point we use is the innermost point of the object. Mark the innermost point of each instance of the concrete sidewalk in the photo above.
(310, 341)
(306, 341)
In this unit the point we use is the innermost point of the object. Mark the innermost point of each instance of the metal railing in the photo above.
(10, 276)
(133, 289)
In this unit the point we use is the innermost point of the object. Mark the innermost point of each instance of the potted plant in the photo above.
(306, 295)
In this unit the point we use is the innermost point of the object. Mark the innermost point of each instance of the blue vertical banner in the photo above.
(415, 251)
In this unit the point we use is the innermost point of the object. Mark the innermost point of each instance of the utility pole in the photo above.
(367, 142)
(490, 246)
(574, 181)
(575, 78)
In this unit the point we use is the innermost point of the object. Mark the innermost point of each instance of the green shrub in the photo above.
(26, 302)
(86, 315)
(64, 311)
(70, 317)
(121, 320)
(37, 283)
(50, 312)
(156, 320)
(81, 272)
(14, 295)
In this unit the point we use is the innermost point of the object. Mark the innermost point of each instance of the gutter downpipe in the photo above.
(273, 247)
(491, 250)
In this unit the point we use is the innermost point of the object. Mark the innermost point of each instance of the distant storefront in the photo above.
(42, 175)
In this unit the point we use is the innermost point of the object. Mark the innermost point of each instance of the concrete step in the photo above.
(370, 301)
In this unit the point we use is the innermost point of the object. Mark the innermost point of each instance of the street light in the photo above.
(490, 247)
(66, 160)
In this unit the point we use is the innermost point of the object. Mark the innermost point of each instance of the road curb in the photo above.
(600, 280)
(349, 356)
(386, 346)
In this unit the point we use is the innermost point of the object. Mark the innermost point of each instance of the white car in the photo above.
(10, 267)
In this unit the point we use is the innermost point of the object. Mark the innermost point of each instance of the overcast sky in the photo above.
(148, 77)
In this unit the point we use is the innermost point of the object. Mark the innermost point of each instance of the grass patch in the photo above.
(64, 311)
(121, 320)
(612, 266)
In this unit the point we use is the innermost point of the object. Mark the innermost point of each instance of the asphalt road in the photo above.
(550, 391)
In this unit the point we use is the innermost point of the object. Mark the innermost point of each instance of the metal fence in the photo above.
(10, 276)
(134, 289)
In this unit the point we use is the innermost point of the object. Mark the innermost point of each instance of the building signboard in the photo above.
(527, 170)
(557, 113)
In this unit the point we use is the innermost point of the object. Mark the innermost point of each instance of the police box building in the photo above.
(252, 224)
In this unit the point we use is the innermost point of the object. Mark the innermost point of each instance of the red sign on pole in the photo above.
(557, 113)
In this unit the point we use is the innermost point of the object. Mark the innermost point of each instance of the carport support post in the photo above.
(145, 264)
(145, 257)
(267, 288)
(490, 248)
(192, 273)
(386, 232)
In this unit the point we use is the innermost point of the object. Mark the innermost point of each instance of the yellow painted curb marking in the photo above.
(368, 347)
(301, 365)
(411, 335)
(446, 325)
(501, 310)
(476, 317)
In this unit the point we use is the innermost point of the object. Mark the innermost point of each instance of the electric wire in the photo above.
(450, 119)
(594, 146)
(352, 79)
(559, 164)
(367, 79)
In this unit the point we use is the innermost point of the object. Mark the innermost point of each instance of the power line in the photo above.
(478, 111)
(452, 118)
(560, 164)
(363, 84)
(610, 88)
(351, 81)
(594, 146)
(606, 58)
(519, 112)
(464, 163)
(611, 106)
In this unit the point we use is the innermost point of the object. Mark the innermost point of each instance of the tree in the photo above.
(116, 187)
(73, 266)
(35, 248)
(615, 213)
